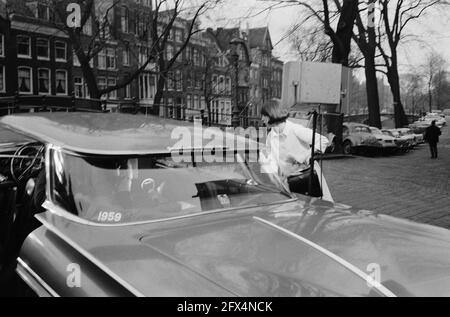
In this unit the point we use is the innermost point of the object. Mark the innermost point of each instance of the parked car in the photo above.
(387, 142)
(358, 137)
(404, 142)
(441, 121)
(417, 137)
(125, 216)
(419, 127)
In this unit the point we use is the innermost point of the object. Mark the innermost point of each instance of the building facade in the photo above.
(37, 58)
(35, 53)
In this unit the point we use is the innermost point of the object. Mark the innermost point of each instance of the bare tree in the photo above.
(154, 28)
(413, 88)
(365, 38)
(160, 37)
(394, 20)
(310, 43)
(434, 73)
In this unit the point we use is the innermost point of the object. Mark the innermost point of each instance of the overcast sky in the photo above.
(431, 32)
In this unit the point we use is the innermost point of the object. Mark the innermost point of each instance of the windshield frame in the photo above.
(54, 208)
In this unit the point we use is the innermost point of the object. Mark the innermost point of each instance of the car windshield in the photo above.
(137, 189)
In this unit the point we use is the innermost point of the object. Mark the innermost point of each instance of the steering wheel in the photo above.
(26, 160)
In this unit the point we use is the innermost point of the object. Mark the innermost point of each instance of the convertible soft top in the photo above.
(112, 134)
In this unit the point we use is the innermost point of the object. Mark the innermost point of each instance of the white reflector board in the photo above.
(313, 83)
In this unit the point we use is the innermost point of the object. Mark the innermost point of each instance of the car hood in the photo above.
(303, 248)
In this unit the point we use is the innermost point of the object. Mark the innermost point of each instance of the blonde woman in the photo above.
(289, 147)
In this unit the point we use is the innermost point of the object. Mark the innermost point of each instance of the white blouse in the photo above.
(290, 149)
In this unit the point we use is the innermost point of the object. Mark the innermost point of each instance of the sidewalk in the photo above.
(410, 186)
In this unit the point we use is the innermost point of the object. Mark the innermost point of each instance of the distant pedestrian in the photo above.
(432, 137)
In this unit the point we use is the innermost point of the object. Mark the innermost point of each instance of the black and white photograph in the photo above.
(224, 153)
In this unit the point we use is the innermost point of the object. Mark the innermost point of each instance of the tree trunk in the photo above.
(160, 86)
(373, 99)
(91, 81)
(430, 98)
(158, 101)
(344, 32)
(88, 74)
(394, 81)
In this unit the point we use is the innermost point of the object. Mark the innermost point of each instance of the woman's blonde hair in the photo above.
(275, 111)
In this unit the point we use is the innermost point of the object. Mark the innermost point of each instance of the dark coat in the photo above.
(432, 134)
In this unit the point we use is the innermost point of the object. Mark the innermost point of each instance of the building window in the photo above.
(43, 49)
(125, 20)
(214, 84)
(43, 12)
(147, 86)
(76, 61)
(196, 103)
(127, 92)
(44, 81)
(102, 85)
(61, 82)
(23, 46)
(60, 51)
(111, 58)
(170, 81)
(112, 83)
(188, 102)
(2, 45)
(169, 52)
(87, 27)
(221, 85)
(203, 103)
(102, 59)
(25, 79)
(228, 85)
(126, 56)
(179, 35)
(179, 80)
(79, 87)
(2, 79)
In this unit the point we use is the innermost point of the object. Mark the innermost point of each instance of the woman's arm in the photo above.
(305, 135)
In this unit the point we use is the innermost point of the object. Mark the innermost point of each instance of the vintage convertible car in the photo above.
(128, 211)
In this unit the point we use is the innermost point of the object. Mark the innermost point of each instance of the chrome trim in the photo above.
(61, 212)
(90, 257)
(34, 281)
(378, 286)
(48, 148)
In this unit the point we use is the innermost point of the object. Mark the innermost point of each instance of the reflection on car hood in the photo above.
(273, 251)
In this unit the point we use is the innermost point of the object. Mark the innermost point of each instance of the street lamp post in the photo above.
(236, 120)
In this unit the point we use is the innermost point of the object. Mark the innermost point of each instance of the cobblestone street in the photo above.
(410, 186)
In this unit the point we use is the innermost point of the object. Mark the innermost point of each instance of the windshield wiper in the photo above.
(264, 187)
